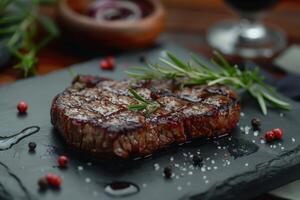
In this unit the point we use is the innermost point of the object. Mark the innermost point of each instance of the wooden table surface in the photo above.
(187, 22)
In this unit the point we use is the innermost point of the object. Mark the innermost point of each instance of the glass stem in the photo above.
(251, 27)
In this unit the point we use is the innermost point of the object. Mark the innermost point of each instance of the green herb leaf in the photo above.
(21, 30)
(200, 73)
(137, 96)
(49, 25)
(149, 106)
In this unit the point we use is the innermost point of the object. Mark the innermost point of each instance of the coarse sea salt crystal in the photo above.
(255, 133)
(80, 168)
(190, 173)
(188, 183)
(247, 129)
(156, 166)
(293, 139)
(281, 115)
(213, 162)
(172, 159)
(179, 188)
(215, 167)
(176, 165)
(253, 141)
(144, 185)
(203, 169)
(242, 114)
(282, 148)
(204, 177)
(246, 164)
(206, 181)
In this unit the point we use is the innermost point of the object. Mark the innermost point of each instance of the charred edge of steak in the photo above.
(95, 119)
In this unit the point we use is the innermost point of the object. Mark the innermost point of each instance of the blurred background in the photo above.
(187, 23)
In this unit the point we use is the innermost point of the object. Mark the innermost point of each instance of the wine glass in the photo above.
(247, 37)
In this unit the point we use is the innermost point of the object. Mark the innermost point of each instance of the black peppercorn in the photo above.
(197, 160)
(256, 124)
(31, 146)
(43, 183)
(168, 172)
(143, 59)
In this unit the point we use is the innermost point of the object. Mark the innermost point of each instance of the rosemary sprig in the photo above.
(196, 72)
(18, 21)
(144, 104)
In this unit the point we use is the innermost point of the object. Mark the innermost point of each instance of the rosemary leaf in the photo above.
(149, 106)
(137, 96)
(200, 73)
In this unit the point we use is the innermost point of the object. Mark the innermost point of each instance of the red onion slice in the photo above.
(115, 10)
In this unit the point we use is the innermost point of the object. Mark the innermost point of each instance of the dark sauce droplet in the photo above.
(6, 142)
(121, 189)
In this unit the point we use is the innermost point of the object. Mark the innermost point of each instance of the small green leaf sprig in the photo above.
(144, 104)
(197, 72)
(19, 26)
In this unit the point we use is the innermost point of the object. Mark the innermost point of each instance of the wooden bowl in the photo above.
(122, 35)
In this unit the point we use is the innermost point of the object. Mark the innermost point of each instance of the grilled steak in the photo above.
(92, 115)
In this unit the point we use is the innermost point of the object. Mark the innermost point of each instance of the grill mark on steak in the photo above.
(92, 115)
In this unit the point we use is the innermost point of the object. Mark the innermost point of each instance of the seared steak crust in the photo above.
(92, 115)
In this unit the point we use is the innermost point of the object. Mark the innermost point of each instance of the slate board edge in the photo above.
(264, 174)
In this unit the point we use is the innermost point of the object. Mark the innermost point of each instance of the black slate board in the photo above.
(230, 171)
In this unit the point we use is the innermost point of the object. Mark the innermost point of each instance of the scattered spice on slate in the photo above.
(270, 136)
(168, 172)
(43, 183)
(32, 146)
(22, 107)
(274, 134)
(278, 133)
(54, 180)
(197, 160)
(63, 161)
(107, 63)
(256, 123)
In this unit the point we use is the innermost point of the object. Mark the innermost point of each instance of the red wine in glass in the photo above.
(251, 5)
(247, 36)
